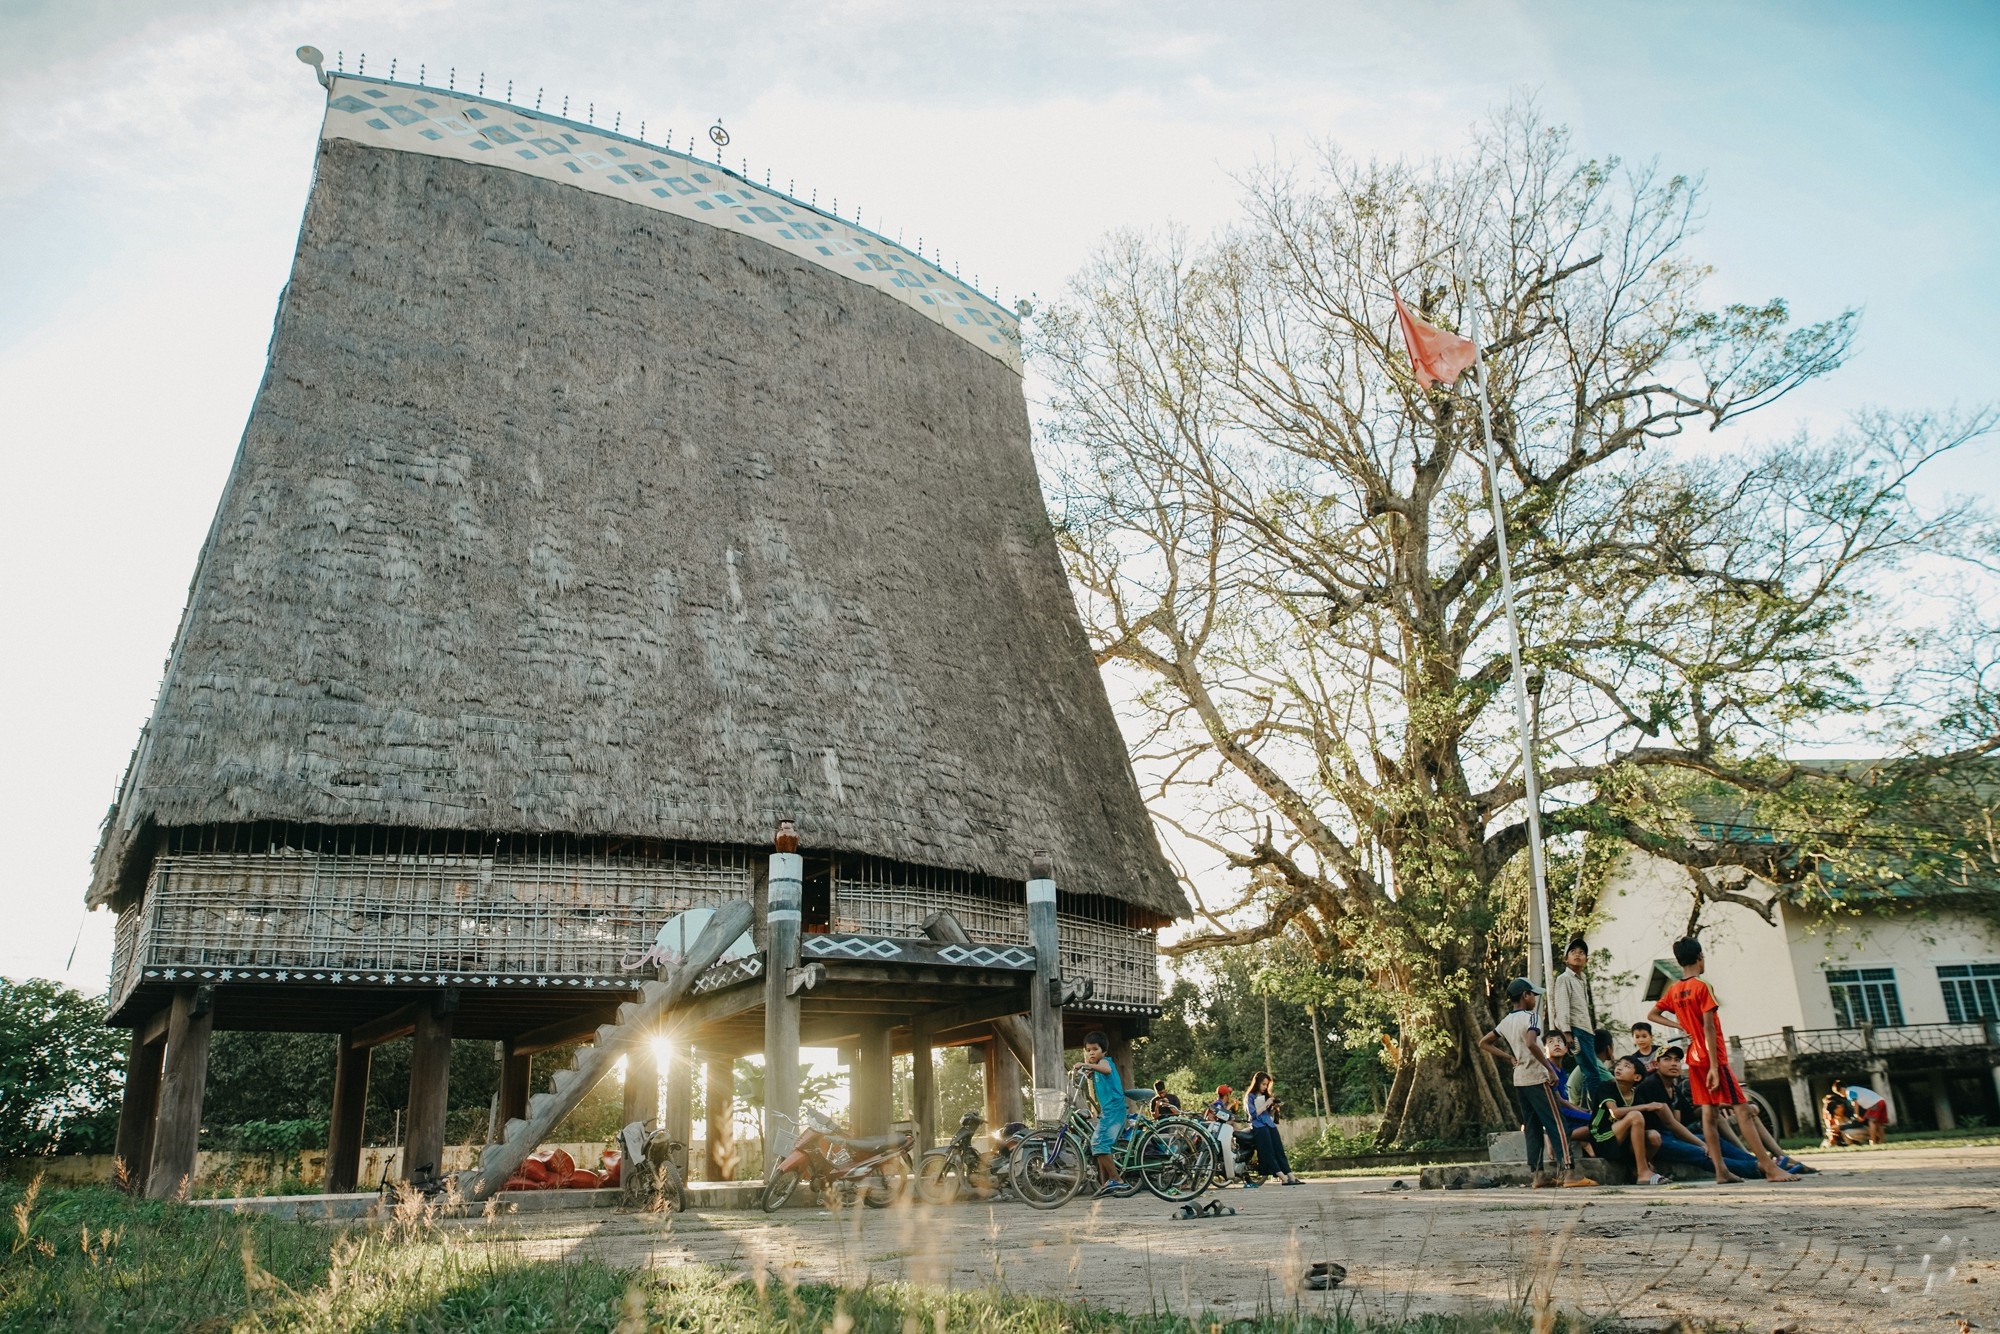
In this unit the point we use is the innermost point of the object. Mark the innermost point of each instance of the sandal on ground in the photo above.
(1654, 1179)
(1323, 1275)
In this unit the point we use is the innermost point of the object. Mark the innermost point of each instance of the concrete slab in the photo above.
(310, 1208)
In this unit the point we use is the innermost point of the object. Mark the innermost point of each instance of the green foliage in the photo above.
(61, 1070)
(276, 1077)
(284, 1137)
(1211, 1031)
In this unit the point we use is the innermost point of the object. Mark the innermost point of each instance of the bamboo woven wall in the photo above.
(552, 911)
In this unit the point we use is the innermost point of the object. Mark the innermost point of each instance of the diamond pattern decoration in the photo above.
(454, 125)
(988, 956)
(852, 947)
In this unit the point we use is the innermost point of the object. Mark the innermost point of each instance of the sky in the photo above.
(159, 157)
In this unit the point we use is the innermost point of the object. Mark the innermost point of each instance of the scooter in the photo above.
(840, 1167)
(959, 1168)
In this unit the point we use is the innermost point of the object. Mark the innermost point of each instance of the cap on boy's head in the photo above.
(1686, 950)
(1097, 1039)
(1576, 943)
(1520, 987)
(1642, 1027)
(1673, 1054)
(1223, 1090)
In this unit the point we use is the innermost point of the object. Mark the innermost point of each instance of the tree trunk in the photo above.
(1447, 1095)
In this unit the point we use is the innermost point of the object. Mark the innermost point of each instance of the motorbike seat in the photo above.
(870, 1143)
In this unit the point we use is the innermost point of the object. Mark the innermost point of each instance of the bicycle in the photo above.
(1171, 1158)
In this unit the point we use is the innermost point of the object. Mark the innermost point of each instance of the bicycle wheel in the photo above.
(888, 1184)
(940, 1177)
(1217, 1167)
(778, 1190)
(1174, 1162)
(1049, 1168)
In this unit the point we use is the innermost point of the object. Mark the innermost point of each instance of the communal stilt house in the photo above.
(601, 510)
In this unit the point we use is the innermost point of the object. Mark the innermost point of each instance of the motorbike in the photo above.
(653, 1167)
(943, 1175)
(840, 1167)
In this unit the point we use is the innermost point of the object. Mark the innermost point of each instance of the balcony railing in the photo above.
(1869, 1041)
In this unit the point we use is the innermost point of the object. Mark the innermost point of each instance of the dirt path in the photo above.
(1887, 1240)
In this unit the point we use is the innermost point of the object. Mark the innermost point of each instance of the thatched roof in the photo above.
(559, 514)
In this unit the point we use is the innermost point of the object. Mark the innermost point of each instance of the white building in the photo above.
(1901, 994)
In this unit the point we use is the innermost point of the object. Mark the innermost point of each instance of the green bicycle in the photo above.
(1172, 1157)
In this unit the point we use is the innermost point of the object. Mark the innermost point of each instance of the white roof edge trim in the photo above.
(415, 119)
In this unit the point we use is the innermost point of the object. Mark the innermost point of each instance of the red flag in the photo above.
(1436, 356)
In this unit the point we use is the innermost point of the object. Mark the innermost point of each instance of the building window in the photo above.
(1971, 991)
(1865, 996)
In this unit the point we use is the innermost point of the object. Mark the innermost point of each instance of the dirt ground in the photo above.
(1889, 1239)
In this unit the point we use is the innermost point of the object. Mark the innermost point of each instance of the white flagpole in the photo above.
(1540, 954)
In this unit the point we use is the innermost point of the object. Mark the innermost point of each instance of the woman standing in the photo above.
(1259, 1102)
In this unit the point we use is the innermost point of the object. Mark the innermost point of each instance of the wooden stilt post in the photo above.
(678, 1119)
(515, 1070)
(430, 1089)
(1045, 999)
(1121, 1050)
(781, 1006)
(719, 1093)
(872, 1100)
(923, 1083)
(177, 1132)
(1003, 1084)
(141, 1106)
(642, 1084)
(350, 1105)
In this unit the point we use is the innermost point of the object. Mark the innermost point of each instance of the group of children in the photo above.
(1108, 1090)
(1575, 1097)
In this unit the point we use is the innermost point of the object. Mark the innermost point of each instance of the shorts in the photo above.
(1105, 1138)
(1879, 1113)
(1728, 1093)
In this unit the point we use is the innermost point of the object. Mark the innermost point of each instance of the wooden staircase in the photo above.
(637, 1021)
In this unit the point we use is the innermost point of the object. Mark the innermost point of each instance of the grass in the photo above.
(1982, 1137)
(90, 1259)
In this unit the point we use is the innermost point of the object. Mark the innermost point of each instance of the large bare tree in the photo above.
(1283, 549)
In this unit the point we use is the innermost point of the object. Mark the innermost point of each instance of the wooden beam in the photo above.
(350, 1104)
(140, 1106)
(177, 1132)
(398, 1023)
(515, 1069)
(716, 1006)
(1010, 1028)
(155, 1029)
(995, 1010)
(430, 1094)
(563, 1032)
(719, 1093)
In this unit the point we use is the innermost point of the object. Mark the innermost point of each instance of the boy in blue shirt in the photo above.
(1108, 1087)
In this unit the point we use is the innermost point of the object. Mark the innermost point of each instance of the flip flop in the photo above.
(1217, 1209)
(1323, 1275)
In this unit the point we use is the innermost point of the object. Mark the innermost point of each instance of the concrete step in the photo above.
(705, 1195)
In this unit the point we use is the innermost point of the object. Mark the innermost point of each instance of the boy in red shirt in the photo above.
(1690, 1006)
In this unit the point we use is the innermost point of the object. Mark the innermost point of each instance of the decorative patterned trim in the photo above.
(988, 956)
(385, 978)
(455, 125)
(728, 973)
(851, 947)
